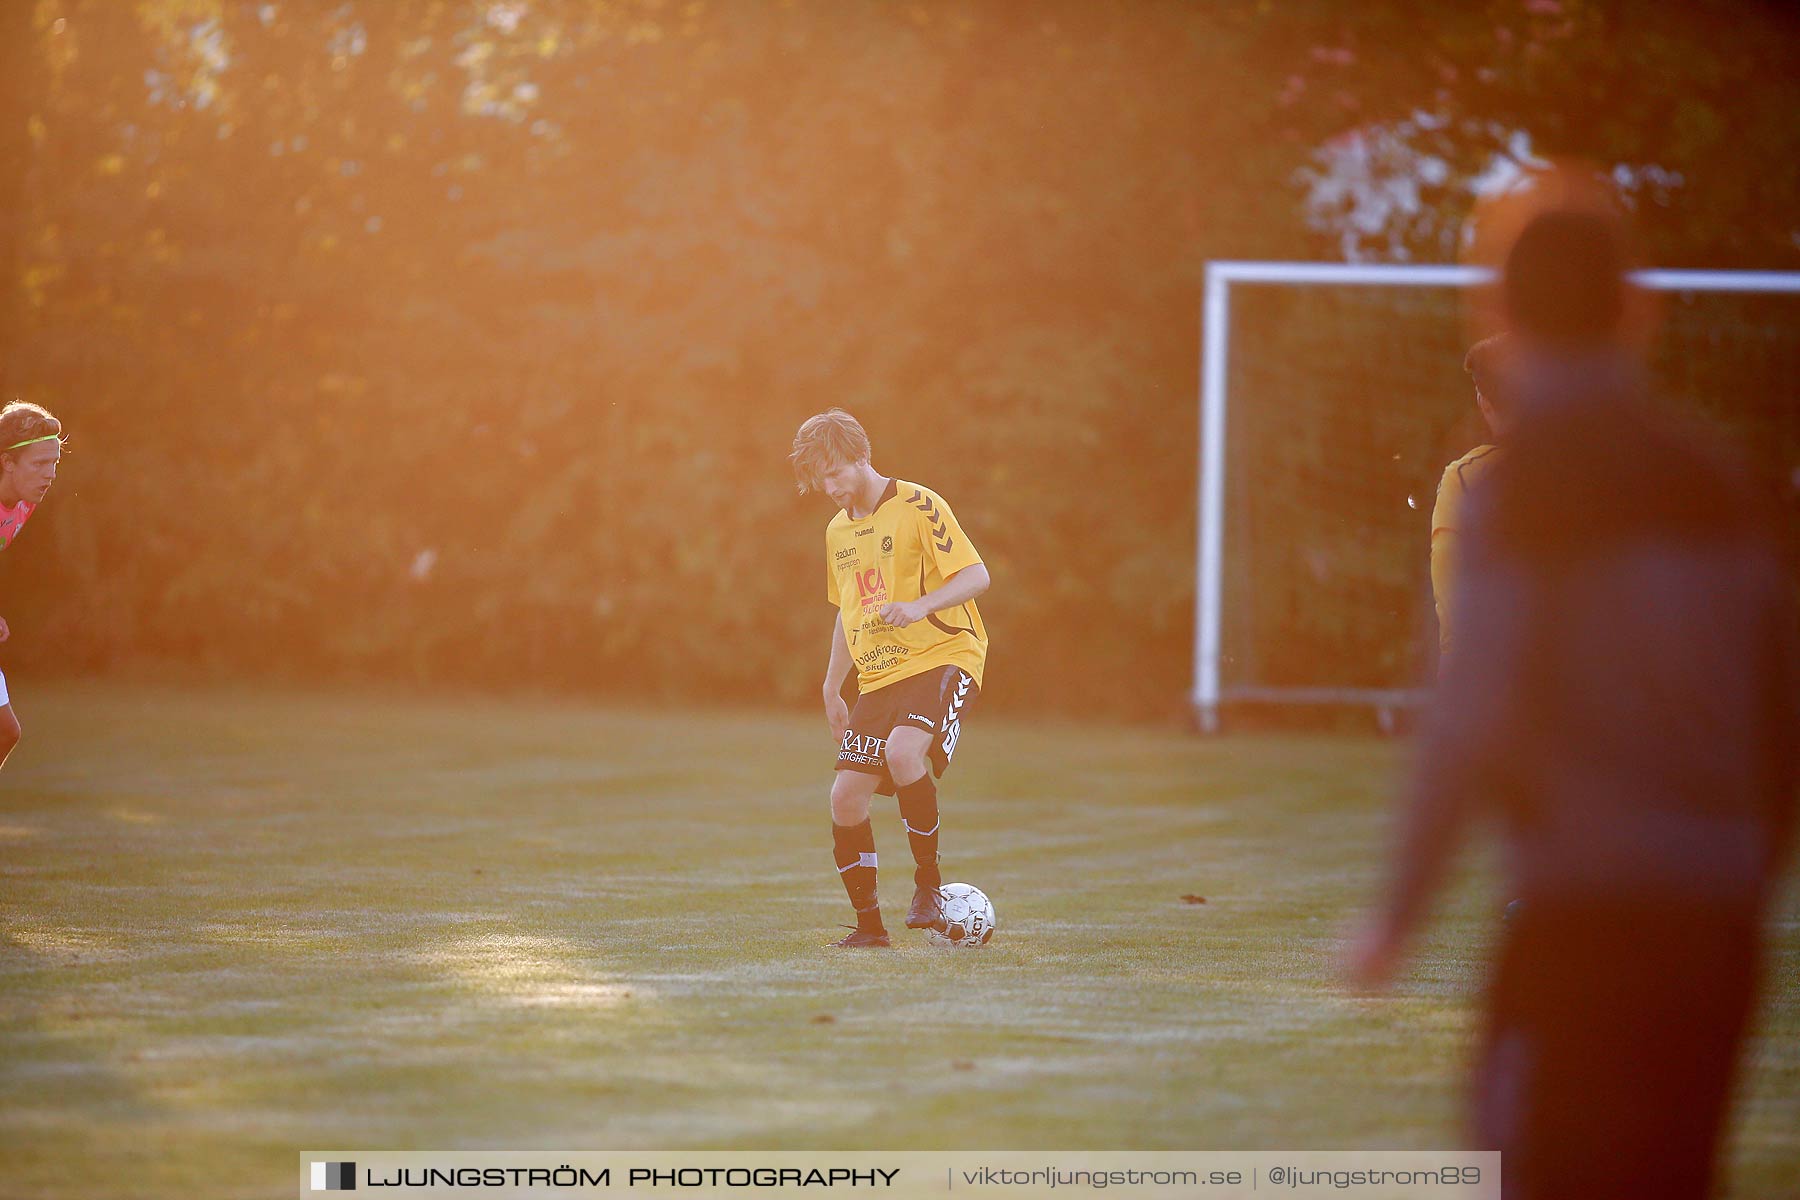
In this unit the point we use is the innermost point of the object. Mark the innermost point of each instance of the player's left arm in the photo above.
(949, 549)
(960, 588)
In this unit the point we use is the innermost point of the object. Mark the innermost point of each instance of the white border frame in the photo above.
(1215, 342)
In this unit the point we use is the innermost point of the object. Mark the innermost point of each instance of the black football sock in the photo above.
(853, 846)
(919, 813)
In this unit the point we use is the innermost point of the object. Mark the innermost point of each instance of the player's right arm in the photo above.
(836, 711)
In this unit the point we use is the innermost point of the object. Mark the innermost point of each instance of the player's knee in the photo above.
(849, 799)
(9, 731)
(906, 763)
(849, 810)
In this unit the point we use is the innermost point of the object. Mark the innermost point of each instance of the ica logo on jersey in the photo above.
(871, 588)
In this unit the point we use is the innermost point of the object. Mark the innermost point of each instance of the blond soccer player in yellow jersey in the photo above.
(904, 577)
(1486, 363)
(30, 449)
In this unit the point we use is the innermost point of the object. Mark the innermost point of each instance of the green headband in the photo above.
(48, 437)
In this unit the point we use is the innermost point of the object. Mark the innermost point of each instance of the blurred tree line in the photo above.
(461, 343)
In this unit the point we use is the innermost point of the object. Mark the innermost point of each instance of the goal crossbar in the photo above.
(1215, 337)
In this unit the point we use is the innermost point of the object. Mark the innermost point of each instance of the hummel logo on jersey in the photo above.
(929, 723)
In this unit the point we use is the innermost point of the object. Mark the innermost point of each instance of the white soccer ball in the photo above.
(968, 917)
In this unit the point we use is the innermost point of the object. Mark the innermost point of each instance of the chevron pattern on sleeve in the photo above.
(940, 529)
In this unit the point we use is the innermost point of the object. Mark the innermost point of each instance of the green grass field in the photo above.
(237, 925)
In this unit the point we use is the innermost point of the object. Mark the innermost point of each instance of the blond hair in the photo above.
(825, 442)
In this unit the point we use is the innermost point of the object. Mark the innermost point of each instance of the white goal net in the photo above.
(1332, 397)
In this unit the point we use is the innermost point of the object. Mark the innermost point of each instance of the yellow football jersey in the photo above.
(907, 547)
(1446, 520)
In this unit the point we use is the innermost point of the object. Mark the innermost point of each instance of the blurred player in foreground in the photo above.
(30, 448)
(1622, 701)
(1486, 364)
(904, 578)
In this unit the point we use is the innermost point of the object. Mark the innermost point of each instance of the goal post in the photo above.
(1773, 345)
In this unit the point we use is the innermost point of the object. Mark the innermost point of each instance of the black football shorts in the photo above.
(933, 700)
